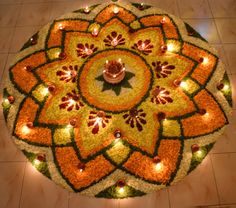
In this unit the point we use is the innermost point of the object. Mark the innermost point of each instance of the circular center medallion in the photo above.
(114, 71)
(115, 97)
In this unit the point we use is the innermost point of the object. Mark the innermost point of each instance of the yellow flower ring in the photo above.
(101, 137)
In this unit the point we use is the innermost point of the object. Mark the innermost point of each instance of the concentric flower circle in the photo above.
(115, 97)
(116, 139)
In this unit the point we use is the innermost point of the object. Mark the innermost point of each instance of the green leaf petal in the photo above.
(106, 86)
(117, 89)
(100, 78)
(129, 75)
(127, 85)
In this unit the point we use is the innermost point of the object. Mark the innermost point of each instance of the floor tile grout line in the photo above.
(18, 14)
(50, 14)
(4, 68)
(64, 1)
(38, 25)
(42, 2)
(10, 4)
(1, 53)
(22, 184)
(218, 33)
(210, 205)
(213, 18)
(1, 78)
(178, 8)
(210, 18)
(69, 197)
(218, 205)
(227, 204)
(217, 189)
(226, 64)
(222, 44)
(177, 3)
(168, 192)
(25, 3)
(11, 161)
(22, 26)
(118, 203)
(214, 21)
(219, 153)
(11, 39)
(205, 18)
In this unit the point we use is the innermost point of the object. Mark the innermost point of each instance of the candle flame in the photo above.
(36, 162)
(6, 101)
(44, 91)
(71, 101)
(159, 166)
(183, 84)
(60, 26)
(121, 190)
(170, 47)
(226, 87)
(95, 32)
(205, 60)
(116, 10)
(25, 129)
(86, 9)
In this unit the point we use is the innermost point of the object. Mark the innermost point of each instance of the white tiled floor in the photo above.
(212, 184)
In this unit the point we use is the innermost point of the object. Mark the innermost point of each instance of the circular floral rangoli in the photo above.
(116, 100)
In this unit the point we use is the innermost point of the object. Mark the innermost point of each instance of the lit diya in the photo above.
(114, 71)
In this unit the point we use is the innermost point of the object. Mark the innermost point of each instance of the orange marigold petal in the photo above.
(108, 13)
(55, 37)
(204, 69)
(168, 27)
(170, 30)
(144, 167)
(203, 124)
(22, 76)
(151, 20)
(35, 134)
(93, 172)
